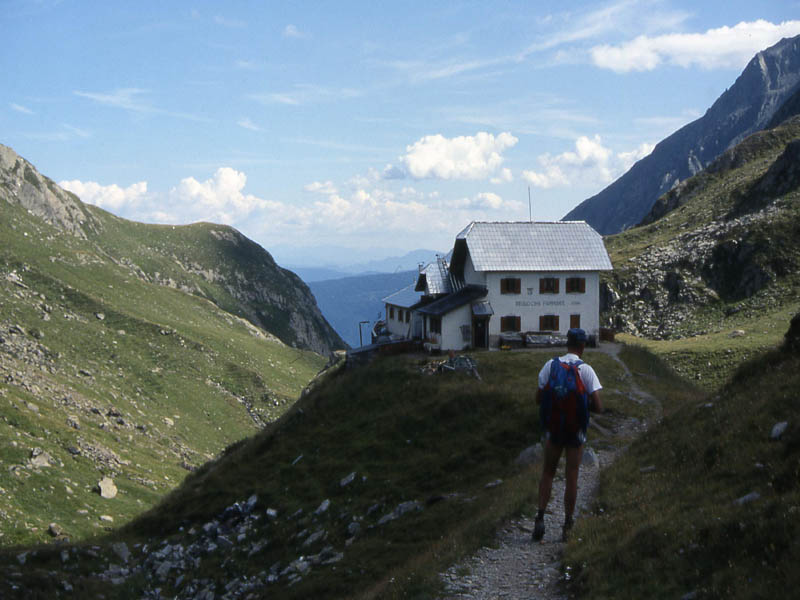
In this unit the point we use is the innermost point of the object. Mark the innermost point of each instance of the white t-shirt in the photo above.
(588, 376)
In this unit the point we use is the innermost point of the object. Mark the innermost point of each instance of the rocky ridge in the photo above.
(215, 262)
(769, 81)
(719, 240)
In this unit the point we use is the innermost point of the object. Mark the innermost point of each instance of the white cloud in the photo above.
(219, 199)
(462, 157)
(21, 109)
(591, 163)
(503, 177)
(306, 93)
(132, 99)
(320, 187)
(724, 47)
(248, 124)
(111, 197)
(228, 22)
(291, 31)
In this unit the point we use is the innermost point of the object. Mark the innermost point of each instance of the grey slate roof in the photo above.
(536, 246)
(465, 295)
(405, 298)
(436, 278)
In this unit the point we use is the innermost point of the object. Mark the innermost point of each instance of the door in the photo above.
(480, 338)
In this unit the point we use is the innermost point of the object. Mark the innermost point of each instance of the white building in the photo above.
(504, 280)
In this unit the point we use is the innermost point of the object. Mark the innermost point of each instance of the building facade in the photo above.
(503, 281)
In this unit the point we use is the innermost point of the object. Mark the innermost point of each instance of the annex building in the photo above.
(503, 281)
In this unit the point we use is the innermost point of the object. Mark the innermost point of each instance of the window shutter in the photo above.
(582, 285)
(541, 323)
(517, 322)
(517, 287)
(555, 318)
(555, 287)
(541, 288)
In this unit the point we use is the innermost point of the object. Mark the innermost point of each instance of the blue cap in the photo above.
(576, 335)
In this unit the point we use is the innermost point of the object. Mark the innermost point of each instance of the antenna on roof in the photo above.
(530, 206)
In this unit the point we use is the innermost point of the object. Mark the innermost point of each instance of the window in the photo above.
(408, 316)
(436, 325)
(574, 321)
(391, 312)
(548, 285)
(510, 285)
(576, 285)
(548, 323)
(510, 324)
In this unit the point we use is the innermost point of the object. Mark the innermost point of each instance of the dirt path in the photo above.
(516, 568)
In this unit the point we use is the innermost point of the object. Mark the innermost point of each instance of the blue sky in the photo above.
(342, 131)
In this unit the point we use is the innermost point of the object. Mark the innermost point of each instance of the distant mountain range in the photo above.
(766, 91)
(393, 264)
(347, 301)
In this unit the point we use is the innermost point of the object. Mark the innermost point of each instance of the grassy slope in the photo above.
(708, 357)
(177, 253)
(675, 528)
(408, 436)
(159, 354)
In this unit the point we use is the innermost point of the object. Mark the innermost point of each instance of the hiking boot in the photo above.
(565, 531)
(538, 529)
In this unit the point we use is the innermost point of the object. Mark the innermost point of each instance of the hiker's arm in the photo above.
(538, 396)
(595, 404)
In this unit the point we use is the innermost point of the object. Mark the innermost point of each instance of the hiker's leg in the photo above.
(552, 454)
(574, 456)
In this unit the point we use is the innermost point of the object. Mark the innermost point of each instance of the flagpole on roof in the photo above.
(530, 207)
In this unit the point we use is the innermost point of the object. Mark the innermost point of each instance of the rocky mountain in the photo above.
(215, 262)
(719, 250)
(765, 89)
(131, 354)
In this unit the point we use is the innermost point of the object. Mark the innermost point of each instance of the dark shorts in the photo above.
(575, 440)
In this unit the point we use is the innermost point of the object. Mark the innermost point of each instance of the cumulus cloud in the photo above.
(724, 47)
(220, 198)
(504, 176)
(112, 197)
(462, 157)
(590, 163)
(321, 187)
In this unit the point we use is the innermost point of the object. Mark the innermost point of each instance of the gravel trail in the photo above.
(515, 567)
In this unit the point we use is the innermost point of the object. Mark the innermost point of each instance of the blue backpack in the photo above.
(564, 410)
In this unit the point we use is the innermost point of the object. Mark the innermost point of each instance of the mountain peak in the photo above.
(768, 82)
(41, 196)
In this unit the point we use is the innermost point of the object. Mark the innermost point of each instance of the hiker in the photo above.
(569, 432)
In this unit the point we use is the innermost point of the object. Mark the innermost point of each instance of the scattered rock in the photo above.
(590, 458)
(121, 550)
(746, 499)
(737, 333)
(347, 480)
(55, 529)
(647, 469)
(39, 458)
(107, 488)
(778, 430)
(99, 316)
(494, 484)
(323, 507)
(401, 509)
(530, 455)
